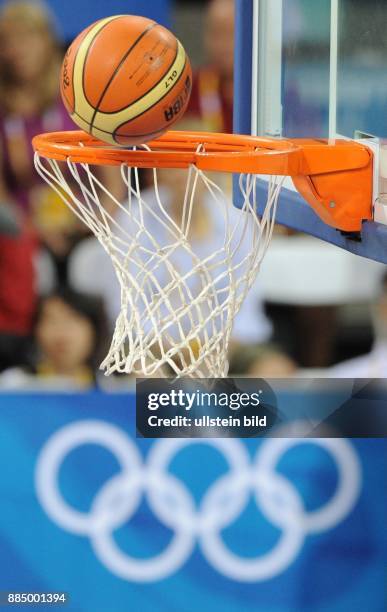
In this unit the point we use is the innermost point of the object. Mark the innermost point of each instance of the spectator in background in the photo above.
(261, 361)
(212, 93)
(30, 103)
(69, 344)
(17, 287)
(373, 365)
(30, 58)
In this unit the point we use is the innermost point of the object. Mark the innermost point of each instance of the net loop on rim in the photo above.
(181, 284)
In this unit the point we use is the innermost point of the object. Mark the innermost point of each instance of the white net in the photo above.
(184, 270)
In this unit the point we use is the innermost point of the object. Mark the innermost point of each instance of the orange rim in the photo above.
(323, 171)
(174, 149)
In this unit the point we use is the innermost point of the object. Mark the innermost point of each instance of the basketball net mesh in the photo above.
(178, 302)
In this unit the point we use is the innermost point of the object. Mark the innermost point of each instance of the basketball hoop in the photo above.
(173, 313)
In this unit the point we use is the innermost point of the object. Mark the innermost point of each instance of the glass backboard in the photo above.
(316, 69)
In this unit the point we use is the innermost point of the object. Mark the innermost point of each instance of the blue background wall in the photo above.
(73, 17)
(338, 570)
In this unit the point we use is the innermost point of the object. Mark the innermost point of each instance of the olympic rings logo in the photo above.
(173, 505)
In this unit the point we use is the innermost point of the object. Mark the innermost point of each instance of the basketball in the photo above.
(126, 80)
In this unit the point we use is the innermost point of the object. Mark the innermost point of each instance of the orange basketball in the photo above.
(126, 79)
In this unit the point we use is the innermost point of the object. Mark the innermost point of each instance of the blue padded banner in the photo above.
(182, 525)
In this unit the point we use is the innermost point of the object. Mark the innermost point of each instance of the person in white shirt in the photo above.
(374, 364)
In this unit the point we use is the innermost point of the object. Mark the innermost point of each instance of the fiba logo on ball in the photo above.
(180, 103)
(126, 80)
(65, 72)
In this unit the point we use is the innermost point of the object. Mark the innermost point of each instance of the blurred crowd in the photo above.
(57, 315)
